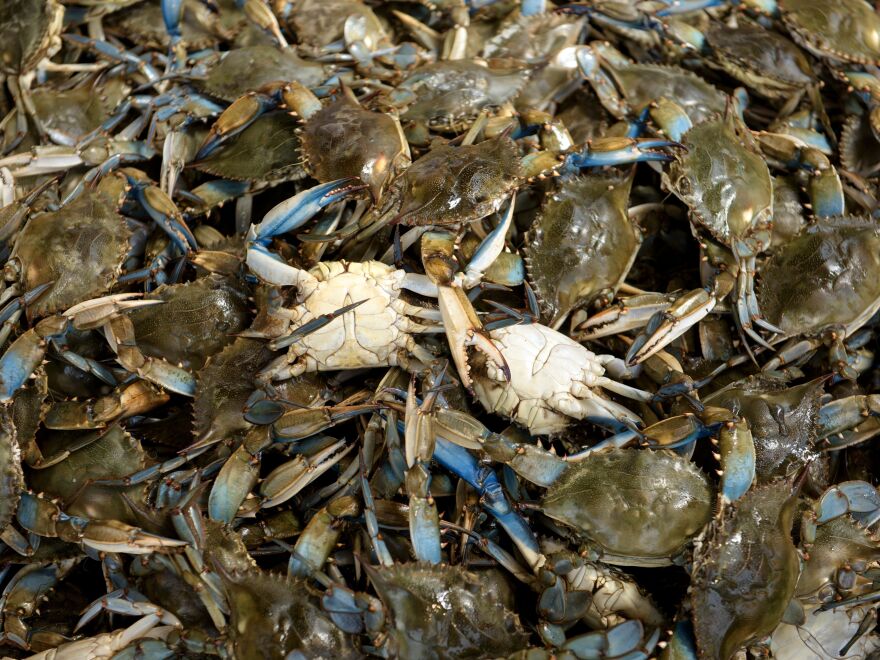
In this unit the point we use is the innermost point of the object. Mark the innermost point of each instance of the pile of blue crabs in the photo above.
(439, 329)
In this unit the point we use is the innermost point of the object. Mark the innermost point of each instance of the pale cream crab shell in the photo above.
(378, 333)
(553, 380)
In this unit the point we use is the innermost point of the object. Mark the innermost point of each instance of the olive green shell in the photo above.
(639, 506)
(447, 612)
(197, 320)
(452, 185)
(745, 571)
(80, 248)
(582, 244)
(819, 279)
(784, 421)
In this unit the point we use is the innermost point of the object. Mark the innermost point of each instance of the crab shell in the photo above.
(840, 31)
(80, 249)
(638, 507)
(375, 334)
(344, 140)
(723, 180)
(823, 278)
(745, 570)
(766, 61)
(553, 380)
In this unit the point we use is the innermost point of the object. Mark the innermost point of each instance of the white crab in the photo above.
(349, 315)
(377, 333)
(553, 381)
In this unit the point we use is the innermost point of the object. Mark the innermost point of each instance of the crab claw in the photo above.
(630, 313)
(464, 329)
(294, 212)
(166, 215)
(619, 151)
(285, 217)
(667, 326)
(288, 479)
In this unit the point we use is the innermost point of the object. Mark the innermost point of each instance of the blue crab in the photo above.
(745, 569)
(811, 305)
(582, 244)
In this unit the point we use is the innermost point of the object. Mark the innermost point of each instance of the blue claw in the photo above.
(165, 214)
(464, 465)
(619, 151)
(299, 209)
(683, 644)
(847, 497)
(19, 361)
(737, 450)
(172, 13)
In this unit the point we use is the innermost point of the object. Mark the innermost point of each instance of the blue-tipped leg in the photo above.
(619, 151)
(299, 209)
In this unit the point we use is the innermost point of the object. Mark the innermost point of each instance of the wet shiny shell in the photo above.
(843, 30)
(344, 139)
(27, 28)
(762, 59)
(724, 182)
(784, 421)
(245, 69)
(271, 617)
(635, 504)
(450, 185)
(745, 571)
(75, 112)
(824, 277)
(533, 39)
(267, 151)
(321, 22)
(197, 320)
(582, 244)
(447, 612)
(81, 248)
(644, 83)
(452, 93)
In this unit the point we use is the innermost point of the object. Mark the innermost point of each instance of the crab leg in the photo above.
(319, 538)
(127, 602)
(463, 327)
(132, 399)
(44, 518)
(246, 109)
(288, 479)
(665, 326)
(27, 352)
(464, 465)
(424, 521)
(312, 326)
(285, 217)
(120, 335)
(240, 472)
(619, 151)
